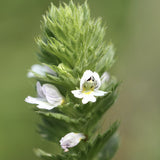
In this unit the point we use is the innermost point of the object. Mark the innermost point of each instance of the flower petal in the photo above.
(42, 104)
(85, 100)
(49, 70)
(70, 140)
(33, 100)
(77, 93)
(37, 68)
(88, 98)
(39, 90)
(105, 77)
(30, 75)
(41, 70)
(45, 105)
(52, 94)
(97, 79)
(99, 93)
(92, 99)
(86, 75)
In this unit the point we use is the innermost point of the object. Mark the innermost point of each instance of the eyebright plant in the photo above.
(74, 89)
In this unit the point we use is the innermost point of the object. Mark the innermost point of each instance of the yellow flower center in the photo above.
(88, 90)
(62, 101)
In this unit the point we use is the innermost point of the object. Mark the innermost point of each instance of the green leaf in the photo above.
(59, 116)
(109, 148)
(100, 141)
(47, 156)
(53, 129)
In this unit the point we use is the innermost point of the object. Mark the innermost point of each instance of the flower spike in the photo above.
(71, 49)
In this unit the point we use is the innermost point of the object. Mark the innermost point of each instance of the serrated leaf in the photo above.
(109, 149)
(59, 116)
(53, 129)
(95, 147)
(47, 156)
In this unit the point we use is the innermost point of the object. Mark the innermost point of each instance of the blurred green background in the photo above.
(134, 28)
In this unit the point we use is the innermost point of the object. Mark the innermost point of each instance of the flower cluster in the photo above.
(49, 97)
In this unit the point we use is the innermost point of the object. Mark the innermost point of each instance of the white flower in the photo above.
(41, 70)
(48, 97)
(105, 77)
(70, 140)
(89, 85)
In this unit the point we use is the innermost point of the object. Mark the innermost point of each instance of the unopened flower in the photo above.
(70, 140)
(105, 77)
(40, 69)
(48, 97)
(89, 85)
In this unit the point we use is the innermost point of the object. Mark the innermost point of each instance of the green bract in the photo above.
(71, 43)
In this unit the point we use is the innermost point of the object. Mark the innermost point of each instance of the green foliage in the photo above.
(71, 43)
(109, 148)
